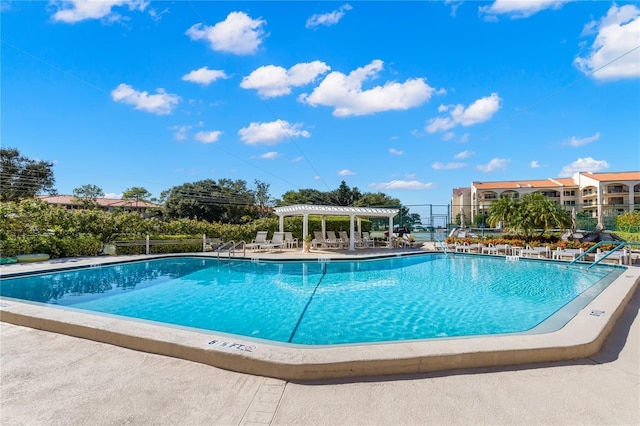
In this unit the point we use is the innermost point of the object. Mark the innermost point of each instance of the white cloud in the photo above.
(238, 34)
(448, 166)
(72, 11)
(520, 9)
(464, 138)
(402, 184)
(295, 160)
(617, 34)
(161, 103)
(494, 165)
(584, 165)
(204, 76)
(535, 165)
(271, 133)
(328, 19)
(573, 141)
(464, 154)
(396, 152)
(208, 137)
(448, 136)
(345, 94)
(271, 155)
(271, 80)
(345, 172)
(181, 132)
(478, 112)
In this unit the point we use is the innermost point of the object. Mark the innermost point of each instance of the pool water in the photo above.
(338, 302)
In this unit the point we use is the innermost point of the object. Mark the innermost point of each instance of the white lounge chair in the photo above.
(570, 254)
(536, 251)
(276, 242)
(367, 240)
(333, 240)
(357, 240)
(260, 239)
(621, 256)
(319, 240)
(344, 238)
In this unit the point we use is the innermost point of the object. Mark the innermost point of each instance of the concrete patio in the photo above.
(50, 378)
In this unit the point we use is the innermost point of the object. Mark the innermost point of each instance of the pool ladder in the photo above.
(231, 246)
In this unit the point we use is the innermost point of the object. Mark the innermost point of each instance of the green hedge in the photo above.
(81, 245)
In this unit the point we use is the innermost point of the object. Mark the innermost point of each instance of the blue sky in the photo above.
(408, 98)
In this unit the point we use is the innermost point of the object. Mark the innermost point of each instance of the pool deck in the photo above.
(52, 378)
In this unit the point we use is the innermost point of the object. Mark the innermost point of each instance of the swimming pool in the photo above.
(328, 303)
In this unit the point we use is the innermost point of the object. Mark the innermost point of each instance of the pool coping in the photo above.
(581, 337)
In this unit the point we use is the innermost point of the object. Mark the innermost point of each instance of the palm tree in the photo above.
(503, 211)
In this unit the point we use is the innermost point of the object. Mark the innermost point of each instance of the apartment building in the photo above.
(599, 194)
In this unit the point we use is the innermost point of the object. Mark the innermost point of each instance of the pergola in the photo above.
(306, 210)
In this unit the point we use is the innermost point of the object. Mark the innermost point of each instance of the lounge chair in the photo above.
(536, 251)
(319, 240)
(332, 240)
(344, 238)
(276, 242)
(358, 241)
(489, 249)
(622, 256)
(290, 242)
(570, 254)
(260, 239)
(367, 240)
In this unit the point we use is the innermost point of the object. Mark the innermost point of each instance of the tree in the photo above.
(305, 196)
(263, 199)
(344, 196)
(137, 193)
(21, 177)
(224, 201)
(531, 212)
(88, 195)
(503, 211)
(377, 199)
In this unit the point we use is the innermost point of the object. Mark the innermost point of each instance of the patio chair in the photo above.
(260, 239)
(571, 254)
(319, 240)
(276, 242)
(367, 240)
(344, 238)
(290, 242)
(358, 241)
(622, 256)
(332, 240)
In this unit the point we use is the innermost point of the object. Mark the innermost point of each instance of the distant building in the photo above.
(599, 194)
(107, 204)
(461, 198)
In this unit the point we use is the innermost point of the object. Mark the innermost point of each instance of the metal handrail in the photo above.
(444, 249)
(618, 244)
(236, 245)
(225, 247)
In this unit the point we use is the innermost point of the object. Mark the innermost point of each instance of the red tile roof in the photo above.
(68, 200)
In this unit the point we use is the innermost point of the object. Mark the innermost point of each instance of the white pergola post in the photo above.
(352, 241)
(324, 227)
(281, 223)
(360, 225)
(305, 229)
(390, 232)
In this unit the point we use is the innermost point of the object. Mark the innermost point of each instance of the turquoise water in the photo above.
(402, 298)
